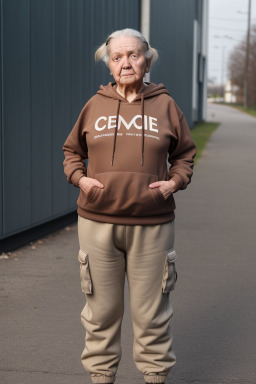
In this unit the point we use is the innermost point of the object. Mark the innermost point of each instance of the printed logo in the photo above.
(109, 122)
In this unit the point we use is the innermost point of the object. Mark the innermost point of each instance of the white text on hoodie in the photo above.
(109, 122)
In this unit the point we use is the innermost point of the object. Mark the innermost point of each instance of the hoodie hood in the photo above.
(151, 90)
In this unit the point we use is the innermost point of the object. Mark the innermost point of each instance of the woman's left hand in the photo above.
(165, 187)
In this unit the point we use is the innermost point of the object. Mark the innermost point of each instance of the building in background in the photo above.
(48, 73)
(230, 92)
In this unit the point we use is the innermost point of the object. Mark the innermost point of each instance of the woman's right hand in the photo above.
(86, 183)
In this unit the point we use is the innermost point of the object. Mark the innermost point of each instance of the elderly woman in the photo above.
(128, 131)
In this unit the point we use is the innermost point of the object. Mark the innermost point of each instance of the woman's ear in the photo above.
(148, 64)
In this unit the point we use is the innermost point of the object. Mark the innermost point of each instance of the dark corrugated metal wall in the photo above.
(171, 32)
(47, 75)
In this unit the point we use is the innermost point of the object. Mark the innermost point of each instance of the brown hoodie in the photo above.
(128, 145)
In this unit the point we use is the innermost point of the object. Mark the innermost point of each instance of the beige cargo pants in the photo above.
(146, 255)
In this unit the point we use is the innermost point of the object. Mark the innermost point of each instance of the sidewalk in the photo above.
(214, 302)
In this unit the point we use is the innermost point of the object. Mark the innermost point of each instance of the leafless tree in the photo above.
(236, 67)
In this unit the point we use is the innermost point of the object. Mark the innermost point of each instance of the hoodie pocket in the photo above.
(127, 194)
(83, 199)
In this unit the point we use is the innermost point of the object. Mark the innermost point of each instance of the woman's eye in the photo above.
(134, 56)
(116, 58)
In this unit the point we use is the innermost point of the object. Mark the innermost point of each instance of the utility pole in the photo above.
(247, 57)
(222, 73)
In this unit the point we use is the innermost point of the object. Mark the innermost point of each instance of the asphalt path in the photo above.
(214, 323)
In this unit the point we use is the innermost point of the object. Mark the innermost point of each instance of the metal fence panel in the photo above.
(16, 116)
(78, 69)
(61, 99)
(41, 110)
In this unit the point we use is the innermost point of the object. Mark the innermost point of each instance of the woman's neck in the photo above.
(128, 92)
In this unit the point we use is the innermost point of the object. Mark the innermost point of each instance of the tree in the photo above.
(236, 69)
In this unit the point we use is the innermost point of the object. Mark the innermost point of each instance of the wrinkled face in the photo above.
(127, 60)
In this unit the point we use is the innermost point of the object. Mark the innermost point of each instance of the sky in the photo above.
(227, 28)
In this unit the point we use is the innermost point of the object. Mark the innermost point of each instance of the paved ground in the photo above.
(214, 302)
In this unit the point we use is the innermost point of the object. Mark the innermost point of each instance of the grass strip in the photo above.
(250, 110)
(201, 134)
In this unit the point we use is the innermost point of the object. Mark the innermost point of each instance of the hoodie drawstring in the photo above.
(116, 129)
(142, 128)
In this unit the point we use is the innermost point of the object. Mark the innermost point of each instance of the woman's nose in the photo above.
(126, 63)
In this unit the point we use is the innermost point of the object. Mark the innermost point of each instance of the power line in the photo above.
(227, 19)
(227, 29)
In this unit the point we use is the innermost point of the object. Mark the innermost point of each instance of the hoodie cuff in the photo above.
(179, 182)
(77, 175)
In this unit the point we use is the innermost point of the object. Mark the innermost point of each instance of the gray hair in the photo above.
(102, 52)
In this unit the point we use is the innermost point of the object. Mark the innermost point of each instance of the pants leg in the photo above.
(104, 274)
(151, 309)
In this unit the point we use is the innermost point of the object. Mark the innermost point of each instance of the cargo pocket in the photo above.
(170, 274)
(86, 281)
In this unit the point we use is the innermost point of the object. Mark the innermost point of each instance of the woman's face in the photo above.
(127, 60)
